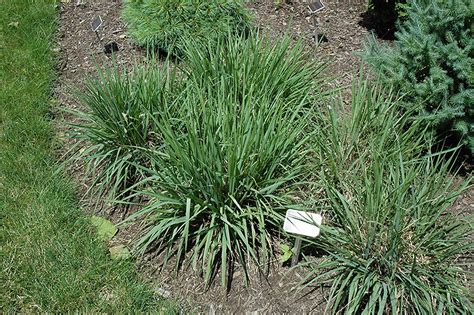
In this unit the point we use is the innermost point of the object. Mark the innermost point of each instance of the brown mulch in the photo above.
(80, 52)
(339, 22)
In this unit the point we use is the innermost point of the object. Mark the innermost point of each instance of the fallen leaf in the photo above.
(287, 253)
(105, 229)
(119, 252)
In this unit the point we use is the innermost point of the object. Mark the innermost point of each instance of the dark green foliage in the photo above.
(389, 8)
(385, 14)
(167, 24)
(383, 17)
(432, 64)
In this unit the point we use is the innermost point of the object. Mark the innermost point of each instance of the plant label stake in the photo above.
(316, 6)
(96, 24)
(109, 47)
(301, 223)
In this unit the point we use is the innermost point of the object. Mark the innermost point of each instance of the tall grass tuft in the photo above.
(252, 65)
(390, 241)
(348, 141)
(391, 245)
(221, 183)
(116, 127)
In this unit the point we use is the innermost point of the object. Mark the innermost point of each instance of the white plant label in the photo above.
(302, 223)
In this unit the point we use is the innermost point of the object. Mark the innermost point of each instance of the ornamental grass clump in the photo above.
(115, 128)
(374, 126)
(391, 244)
(167, 25)
(221, 183)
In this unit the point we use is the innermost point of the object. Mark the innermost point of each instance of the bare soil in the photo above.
(80, 52)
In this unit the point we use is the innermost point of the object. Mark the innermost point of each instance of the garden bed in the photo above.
(80, 52)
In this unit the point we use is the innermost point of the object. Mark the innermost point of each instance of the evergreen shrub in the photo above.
(431, 64)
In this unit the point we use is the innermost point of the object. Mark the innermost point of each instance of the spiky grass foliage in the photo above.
(116, 127)
(220, 184)
(169, 24)
(391, 244)
(252, 65)
(373, 125)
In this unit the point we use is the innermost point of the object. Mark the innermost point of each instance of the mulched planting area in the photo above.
(80, 52)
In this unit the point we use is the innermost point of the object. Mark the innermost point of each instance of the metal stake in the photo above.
(296, 253)
(98, 37)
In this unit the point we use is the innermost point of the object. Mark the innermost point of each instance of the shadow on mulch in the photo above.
(461, 160)
(384, 28)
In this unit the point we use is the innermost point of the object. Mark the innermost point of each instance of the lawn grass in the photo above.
(50, 259)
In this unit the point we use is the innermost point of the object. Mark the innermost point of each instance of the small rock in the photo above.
(14, 24)
(163, 292)
(119, 252)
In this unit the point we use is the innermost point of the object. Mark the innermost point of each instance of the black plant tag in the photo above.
(316, 6)
(96, 23)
